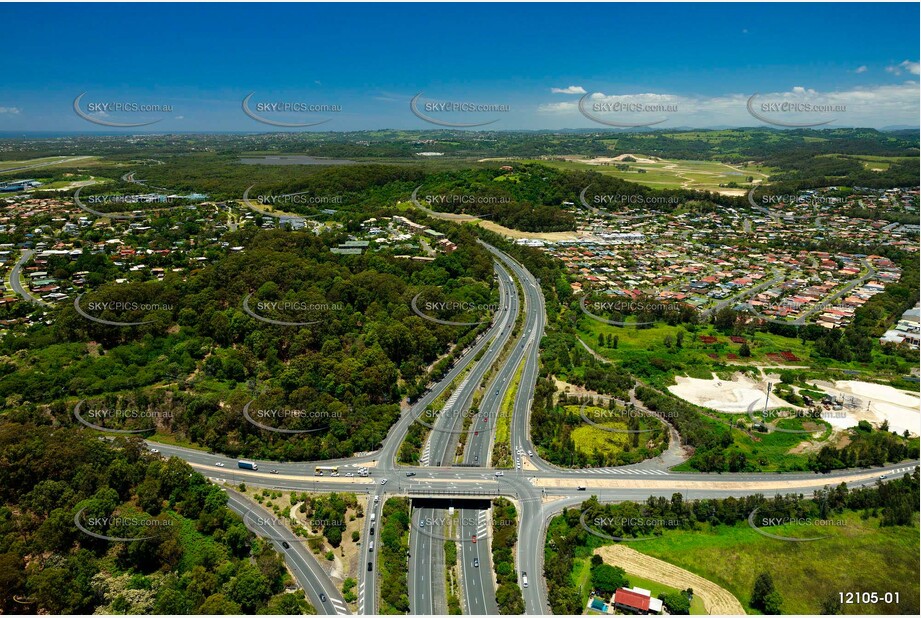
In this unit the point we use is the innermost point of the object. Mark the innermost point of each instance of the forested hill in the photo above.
(192, 556)
(338, 374)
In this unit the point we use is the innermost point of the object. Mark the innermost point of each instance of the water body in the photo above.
(293, 160)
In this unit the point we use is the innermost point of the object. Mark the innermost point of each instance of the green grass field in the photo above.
(589, 439)
(673, 173)
(857, 556)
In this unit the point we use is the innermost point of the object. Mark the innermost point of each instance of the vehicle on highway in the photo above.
(500, 473)
(383, 481)
(372, 530)
(422, 523)
(322, 598)
(377, 499)
(476, 433)
(273, 471)
(581, 487)
(246, 465)
(410, 474)
(473, 539)
(369, 566)
(524, 580)
(154, 450)
(371, 546)
(285, 545)
(349, 474)
(530, 453)
(476, 563)
(476, 458)
(219, 464)
(320, 470)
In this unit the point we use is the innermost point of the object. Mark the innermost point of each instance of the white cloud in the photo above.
(861, 69)
(912, 67)
(906, 65)
(9, 110)
(555, 108)
(569, 90)
(871, 106)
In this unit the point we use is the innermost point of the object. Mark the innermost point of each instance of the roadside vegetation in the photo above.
(393, 568)
(504, 538)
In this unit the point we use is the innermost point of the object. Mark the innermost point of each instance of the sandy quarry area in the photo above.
(734, 397)
(874, 403)
(717, 600)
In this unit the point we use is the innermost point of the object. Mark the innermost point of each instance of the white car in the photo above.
(219, 464)
(500, 473)
(383, 481)
(154, 450)
(530, 453)
(349, 474)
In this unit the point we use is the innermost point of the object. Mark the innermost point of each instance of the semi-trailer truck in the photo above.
(247, 465)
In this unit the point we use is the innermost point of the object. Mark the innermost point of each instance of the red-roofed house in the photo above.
(631, 601)
(636, 600)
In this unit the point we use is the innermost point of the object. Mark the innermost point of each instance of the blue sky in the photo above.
(676, 65)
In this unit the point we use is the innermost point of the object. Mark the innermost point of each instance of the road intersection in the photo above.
(539, 490)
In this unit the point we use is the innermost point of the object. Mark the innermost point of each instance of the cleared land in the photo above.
(716, 599)
(857, 555)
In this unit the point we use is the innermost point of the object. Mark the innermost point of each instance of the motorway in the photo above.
(426, 581)
(538, 490)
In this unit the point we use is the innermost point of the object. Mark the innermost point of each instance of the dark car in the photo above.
(369, 566)
(285, 545)
(410, 474)
(372, 530)
(322, 598)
